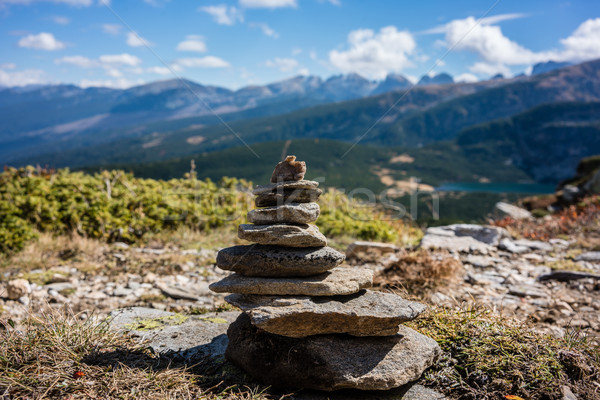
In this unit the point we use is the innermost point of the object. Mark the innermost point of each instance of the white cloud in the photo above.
(583, 44)
(224, 15)
(266, 29)
(482, 68)
(201, 62)
(304, 72)
(158, 70)
(76, 3)
(8, 66)
(58, 19)
(41, 41)
(120, 59)
(192, 43)
(488, 42)
(375, 54)
(21, 78)
(267, 3)
(134, 40)
(113, 29)
(121, 83)
(79, 61)
(497, 52)
(114, 73)
(466, 77)
(296, 51)
(283, 64)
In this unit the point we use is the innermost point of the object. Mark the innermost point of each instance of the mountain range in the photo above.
(482, 126)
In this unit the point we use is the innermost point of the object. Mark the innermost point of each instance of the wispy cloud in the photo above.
(42, 41)
(202, 62)
(192, 43)
(266, 29)
(112, 29)
(268, 3)
(135, 40)
(282, 64)
(223, 14)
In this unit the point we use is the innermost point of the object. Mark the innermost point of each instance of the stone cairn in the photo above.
(307, 322)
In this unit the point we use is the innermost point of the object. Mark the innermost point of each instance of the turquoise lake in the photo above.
(525, 188)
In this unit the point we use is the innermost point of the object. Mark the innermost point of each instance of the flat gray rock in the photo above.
(330, 362)
(304, 235)
(534, 244)
(286, 185)
(294, 213)
(512, 247)
(338, 281)
(366, 313)
(463, 238)
(513, 211)
(590, 256)
(189, 337)
(409, 391)
(287, 196)
(277, 261)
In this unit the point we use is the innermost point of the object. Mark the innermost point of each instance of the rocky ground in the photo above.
(514, 277)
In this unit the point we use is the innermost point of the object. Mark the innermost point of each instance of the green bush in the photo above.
(114, 205)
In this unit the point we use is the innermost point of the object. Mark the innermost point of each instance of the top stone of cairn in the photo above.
(289, 170)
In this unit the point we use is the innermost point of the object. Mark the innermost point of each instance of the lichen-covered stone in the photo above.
(330, 362)
(286, 185)
(295, 213)
(283, 235)
(287, 197)
(289, 170)
(278, 261)
(338, 281)
(366, 313)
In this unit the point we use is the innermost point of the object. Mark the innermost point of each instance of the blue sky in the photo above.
(243, 42)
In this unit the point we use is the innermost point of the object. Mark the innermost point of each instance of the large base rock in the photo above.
(366, 313)
(330, 362)
(277, 261)
(283, 235)
(338, 281)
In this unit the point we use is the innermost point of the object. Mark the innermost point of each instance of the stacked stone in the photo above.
(307, 322)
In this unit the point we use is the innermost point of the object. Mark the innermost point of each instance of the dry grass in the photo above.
(49, 253)
(487, 356)
(580, 222)
(418, 272)
(59, 356)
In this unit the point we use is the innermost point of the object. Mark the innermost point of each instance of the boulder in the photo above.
(295, 213)
(338, 281)
(590, 256)
(287, 197)
(512, 247)
(286, 185)
(463, 238)
(513, 211)
(330, 362)
(366, 313)
(283, 235)
(289, 170)
(194, 338)
(361, 248)
(534, 244)
(17, 288)
(277, 261)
